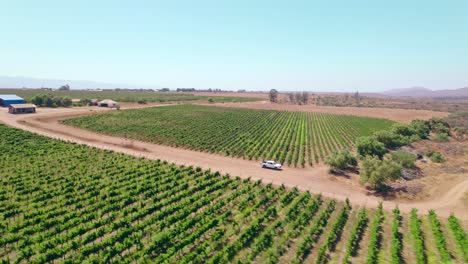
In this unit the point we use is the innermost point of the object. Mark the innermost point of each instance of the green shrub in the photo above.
(340, 160)
(421, 127)
(436, 156)
(390, 140)
(403, 130)
(439, 125)
(441, 137)
(369, 146)
(405, 159)
(376, 172)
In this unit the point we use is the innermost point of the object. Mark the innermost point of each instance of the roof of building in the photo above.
(22, 105)
(10, 97)
(107, 101)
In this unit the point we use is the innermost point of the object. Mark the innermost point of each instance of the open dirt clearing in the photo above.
(47, 122)
(399, 115)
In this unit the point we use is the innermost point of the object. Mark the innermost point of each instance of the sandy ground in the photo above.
(399, 115)
(317, 180)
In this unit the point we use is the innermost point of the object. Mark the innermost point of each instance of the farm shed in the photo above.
(21, 109)
(8, 99)
(107, 103)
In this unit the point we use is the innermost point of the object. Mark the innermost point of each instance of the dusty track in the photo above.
(317, 180)
(399, 115)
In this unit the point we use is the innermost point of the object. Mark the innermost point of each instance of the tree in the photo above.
(298, 98)
(340, 160)
(65, 87)
(66, 101)
(305, 97)
(49, 102)
(404, 130)
(377, 173)
(390, 140)
(273, 95)
(38, 99)
(369, 146)
(356, 95)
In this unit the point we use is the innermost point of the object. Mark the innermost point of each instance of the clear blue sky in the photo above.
(288, 45)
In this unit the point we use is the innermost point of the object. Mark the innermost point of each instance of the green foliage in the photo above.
(390, 139)
(421, 127)
(334, 235)
(375, 236)
(356, 236)
(439, 125)
(397, 244)
(460, 235)
(293, 139)
(436, 156)
(418, 238)
(63, 202)
(49, 100)
(66, 101)
(376, 172)
(314, 233)
(369, 146)
(441, 137)
(403, 130)
(405, 159)
(341, 160)
(439, 236)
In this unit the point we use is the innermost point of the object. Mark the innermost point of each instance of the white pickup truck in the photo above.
(270, 164)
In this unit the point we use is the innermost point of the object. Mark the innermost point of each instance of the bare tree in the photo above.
(298, 98)
(305, 97)
(291, 97)
(273, 95)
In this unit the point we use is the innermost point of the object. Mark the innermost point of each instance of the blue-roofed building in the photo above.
(8, 99)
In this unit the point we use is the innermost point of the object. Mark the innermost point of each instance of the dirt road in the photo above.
(317, 180)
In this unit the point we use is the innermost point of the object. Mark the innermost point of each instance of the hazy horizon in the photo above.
(333, 46)
(37, 83)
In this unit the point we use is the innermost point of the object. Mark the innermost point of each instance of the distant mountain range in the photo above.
(28, 82)
(424, 92)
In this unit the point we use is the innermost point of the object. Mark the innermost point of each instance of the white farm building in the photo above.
(107, 103)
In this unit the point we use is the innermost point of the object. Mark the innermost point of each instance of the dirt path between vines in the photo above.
(317, 180)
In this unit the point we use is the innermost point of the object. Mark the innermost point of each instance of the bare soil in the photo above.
(317, 180)
(399, 115)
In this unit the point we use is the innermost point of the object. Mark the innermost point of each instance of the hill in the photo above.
(425, 92)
